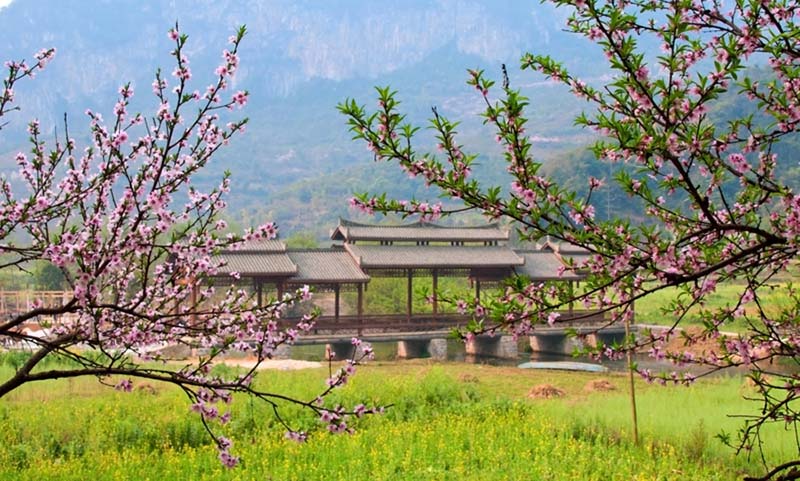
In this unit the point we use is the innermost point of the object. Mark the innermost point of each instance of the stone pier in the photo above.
(284, 351)
(555, 343)
(609, 337)
(339, 351)
(437, 348)
(433, 348)
(342, 350)
(560, 343)
(504, 347)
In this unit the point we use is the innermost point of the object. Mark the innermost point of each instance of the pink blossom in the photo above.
(240, 98)
(297, 436)
(739, 163)
(227, 460)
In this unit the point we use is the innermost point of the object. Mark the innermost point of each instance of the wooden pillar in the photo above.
(408, 295)
(260, 292)
(478, 289)
(336, 301)
(435, 295)
(360, 301)
(634, 416)
(193, 300)
(360, 308)
(571, 299)
(279, 288)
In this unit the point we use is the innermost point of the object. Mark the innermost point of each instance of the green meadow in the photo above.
(445, 421)
(653, 309)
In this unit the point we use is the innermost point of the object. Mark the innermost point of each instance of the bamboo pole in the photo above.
(629, 354)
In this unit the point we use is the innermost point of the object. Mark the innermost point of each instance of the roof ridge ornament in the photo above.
(350, 231)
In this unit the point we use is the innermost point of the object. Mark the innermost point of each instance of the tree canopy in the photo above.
(715, 208)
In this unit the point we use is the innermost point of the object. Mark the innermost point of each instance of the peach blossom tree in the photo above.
(710, 186)
(136, 244)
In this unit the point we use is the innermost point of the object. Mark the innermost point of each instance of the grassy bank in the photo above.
(448, 421)
(651, 309)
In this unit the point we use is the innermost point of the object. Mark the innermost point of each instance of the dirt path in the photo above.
(281, 364)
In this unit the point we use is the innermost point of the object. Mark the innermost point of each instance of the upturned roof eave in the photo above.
(274, 275)
(329, 281)
(442, 266)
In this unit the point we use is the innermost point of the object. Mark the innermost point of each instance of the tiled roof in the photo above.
(373, 256)
(271, 259)
(353, 231)
(251, 264)
(563, 248)
(272, 245)
(543, 265)
(325, 265)
(578, 260)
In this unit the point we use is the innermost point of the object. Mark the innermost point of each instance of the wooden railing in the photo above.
(13, 302)
(429, 322)
(396, 322)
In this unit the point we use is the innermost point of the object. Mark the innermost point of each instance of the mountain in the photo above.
(299, 59)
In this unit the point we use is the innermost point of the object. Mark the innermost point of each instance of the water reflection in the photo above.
(387, 351)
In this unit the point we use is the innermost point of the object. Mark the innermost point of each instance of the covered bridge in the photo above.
(360, 251)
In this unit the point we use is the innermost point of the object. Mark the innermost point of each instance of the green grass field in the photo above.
(650, 310)
(447, 422)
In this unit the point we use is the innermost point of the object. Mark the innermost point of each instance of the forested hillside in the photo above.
(299, 60)
(296, 164)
